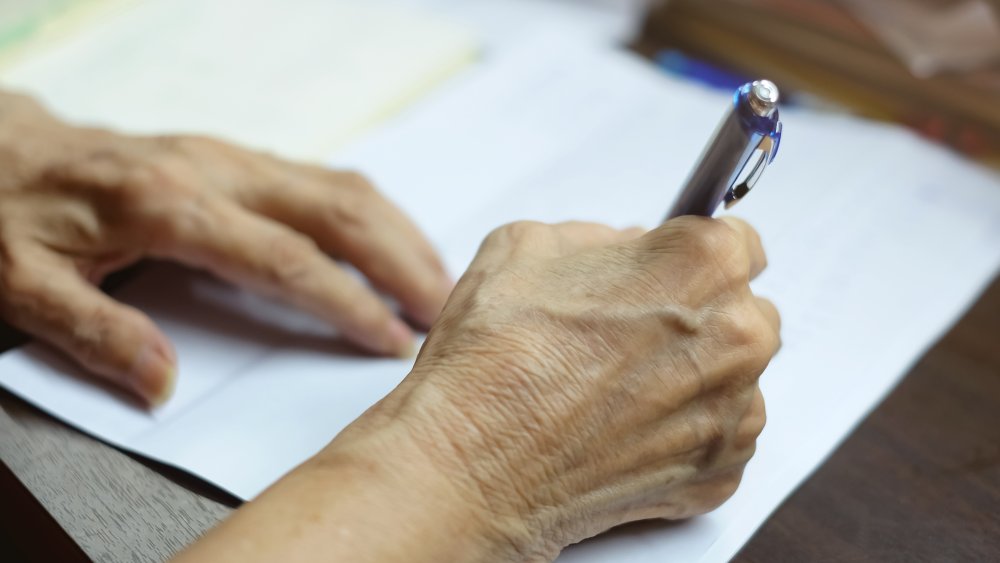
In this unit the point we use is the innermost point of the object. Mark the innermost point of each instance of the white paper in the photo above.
(877, 243)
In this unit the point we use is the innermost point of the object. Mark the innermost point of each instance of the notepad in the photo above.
(877, 242)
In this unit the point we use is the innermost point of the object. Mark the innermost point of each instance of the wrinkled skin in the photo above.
(580, 378)
(77, 204)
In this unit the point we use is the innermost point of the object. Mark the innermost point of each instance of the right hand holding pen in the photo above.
(581, 377)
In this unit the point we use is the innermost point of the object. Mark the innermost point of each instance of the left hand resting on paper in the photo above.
(78, 203)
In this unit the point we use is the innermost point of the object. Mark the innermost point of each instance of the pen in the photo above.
(750, 129)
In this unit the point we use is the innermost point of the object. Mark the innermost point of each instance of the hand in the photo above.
(77, 204)
(580, 378)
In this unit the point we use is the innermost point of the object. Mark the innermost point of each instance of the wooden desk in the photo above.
(918, 481)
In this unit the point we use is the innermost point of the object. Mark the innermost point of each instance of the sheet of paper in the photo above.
(298, 77)
(877, 243)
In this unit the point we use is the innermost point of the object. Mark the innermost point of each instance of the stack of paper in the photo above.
(877, 241)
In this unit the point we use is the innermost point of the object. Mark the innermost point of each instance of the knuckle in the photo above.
(352, 219)
(495, 238)
(761, 338)
(522, 239)
(521, 231)
(746, 450)
(518, 233)
(288, 259)
(150, 177)
(747, 327)
(770, 341)
(746, 440)
(150, 189)
(703, 235)
(171, 219)
(757, 428)
(714, 242)
(573, 233)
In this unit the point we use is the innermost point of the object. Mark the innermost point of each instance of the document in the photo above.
(878, 242)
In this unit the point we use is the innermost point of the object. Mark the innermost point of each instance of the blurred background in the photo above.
(508, 111)
(933, 65)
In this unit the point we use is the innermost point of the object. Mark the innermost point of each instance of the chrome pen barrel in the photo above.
(717, 168)
(751, 125)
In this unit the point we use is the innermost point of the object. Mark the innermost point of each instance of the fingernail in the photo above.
(167, 391)
(155, 374)
(401, 340)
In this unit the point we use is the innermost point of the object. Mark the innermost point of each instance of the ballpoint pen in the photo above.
(750, 131)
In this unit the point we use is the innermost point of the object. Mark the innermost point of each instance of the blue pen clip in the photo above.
(757, 102)
(766, 151)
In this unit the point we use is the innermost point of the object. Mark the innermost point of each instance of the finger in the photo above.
(256, 253)
(115, 342)
(702, 495)
(729, 240)
(752, 242)
(770, 313)
(350, 219)
(752, 423)
(700, 257)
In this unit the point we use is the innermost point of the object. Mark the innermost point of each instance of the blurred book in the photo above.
(935, 36)
(876, 58)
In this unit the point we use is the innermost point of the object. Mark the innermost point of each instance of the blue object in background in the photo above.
(675, 62)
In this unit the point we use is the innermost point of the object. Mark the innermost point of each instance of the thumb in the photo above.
(113, 341)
